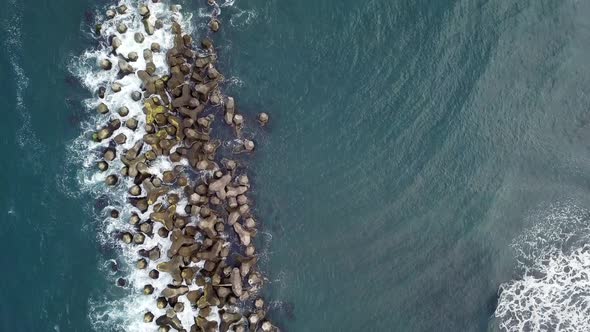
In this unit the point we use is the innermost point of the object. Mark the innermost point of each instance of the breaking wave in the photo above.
(123, 310)
(553, 290)
(118, 95)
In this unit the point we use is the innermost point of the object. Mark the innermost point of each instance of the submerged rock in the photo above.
(111, 13)
(122, 28)
(148, 289)
(161, 303)
(106, 64)
(138, 37)
(116, 87)
(131, 123)
(122, 9)
(120, 139)
(132, 56)
(244, 235)
(116, 43)
(155, 47)
(111, 180)
(214, 25)
(207, 43)
(125, 68)
(174, 291)
(248, 145)
(144, 11)
(101, 92)
(263, 119)
(141, 264)
(123, 111)
(149, 27)
(102, 108)
(102, 166)
(154, 274)
(109, 154)
(136, 95)
(236, 282)
(148, 317)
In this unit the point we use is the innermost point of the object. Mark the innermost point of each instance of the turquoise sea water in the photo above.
(411, 144)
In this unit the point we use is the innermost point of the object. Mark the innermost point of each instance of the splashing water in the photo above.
(127, 312)
(553, 257)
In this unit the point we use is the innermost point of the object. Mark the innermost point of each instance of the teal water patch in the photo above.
(49, 259)
(408, 146)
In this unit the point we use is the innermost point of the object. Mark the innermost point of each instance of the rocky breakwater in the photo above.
(189, 223)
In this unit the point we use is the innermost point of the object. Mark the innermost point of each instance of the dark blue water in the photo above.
(49, 259)
(411, 143)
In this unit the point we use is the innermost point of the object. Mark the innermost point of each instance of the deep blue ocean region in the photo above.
(426, 165)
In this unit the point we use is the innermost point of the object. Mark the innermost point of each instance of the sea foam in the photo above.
(126, 313)
(553, 290)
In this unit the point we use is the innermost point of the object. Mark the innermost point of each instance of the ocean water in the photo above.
(426, 166)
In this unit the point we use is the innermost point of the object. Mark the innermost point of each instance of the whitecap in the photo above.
(242, 18)
(553, 290)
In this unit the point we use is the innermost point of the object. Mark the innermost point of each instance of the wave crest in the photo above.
(553, 292)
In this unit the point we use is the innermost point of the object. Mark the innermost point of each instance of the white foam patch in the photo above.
(239, 17)
(235, 82)
(243, 18)
(227, 3)
(553, 293)
(126, 313)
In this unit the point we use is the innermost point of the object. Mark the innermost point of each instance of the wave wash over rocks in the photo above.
(178, 208)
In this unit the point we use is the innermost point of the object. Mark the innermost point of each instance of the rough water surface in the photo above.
(167, 203)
